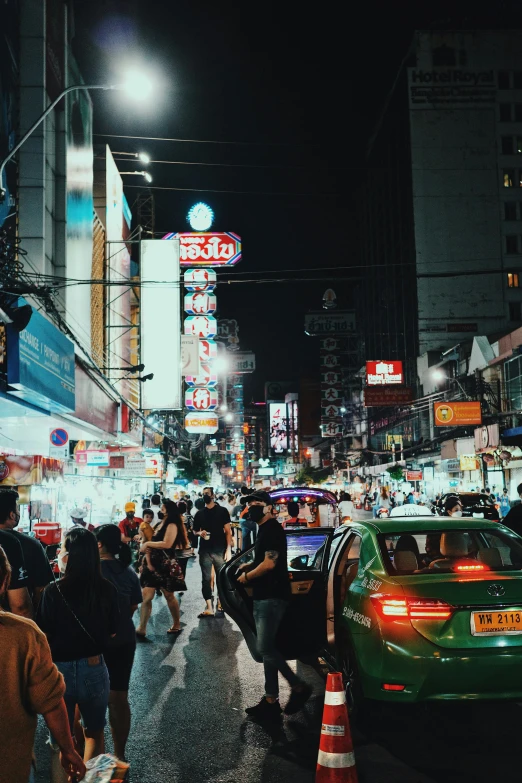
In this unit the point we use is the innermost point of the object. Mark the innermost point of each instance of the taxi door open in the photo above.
(302, 633)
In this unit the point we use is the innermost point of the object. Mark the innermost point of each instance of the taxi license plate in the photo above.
(507, 621)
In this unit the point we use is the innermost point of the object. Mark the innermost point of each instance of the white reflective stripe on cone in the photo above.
(335, 760)
(334, 698)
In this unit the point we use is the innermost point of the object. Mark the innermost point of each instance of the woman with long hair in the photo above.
(169, 536)
(116, 558)
(79, 614)
(31, 685)
(383, 501)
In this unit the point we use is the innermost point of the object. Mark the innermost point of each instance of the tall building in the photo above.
(441, 205)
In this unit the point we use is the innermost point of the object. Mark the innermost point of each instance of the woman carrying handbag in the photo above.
(160, 569)
(79, 614)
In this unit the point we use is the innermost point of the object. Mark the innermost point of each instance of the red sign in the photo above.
(388, 395)
(457, 414)
(384, 373)
(414, 475)
(208, 248)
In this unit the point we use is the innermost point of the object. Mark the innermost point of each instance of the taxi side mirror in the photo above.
(300, 563)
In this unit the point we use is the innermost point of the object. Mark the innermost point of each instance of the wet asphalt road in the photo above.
(188, 696)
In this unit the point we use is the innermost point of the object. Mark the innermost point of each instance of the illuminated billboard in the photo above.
(208, 248)
(457, 414)
(160, 325)
(278, 427)
(384, 373)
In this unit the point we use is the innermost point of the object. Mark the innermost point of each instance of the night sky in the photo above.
(294, 94)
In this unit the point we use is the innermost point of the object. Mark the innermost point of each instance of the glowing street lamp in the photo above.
(136, 86)
(438, 375)
(143, 157)
(145, 174)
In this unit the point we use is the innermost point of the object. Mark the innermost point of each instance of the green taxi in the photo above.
(409, 608)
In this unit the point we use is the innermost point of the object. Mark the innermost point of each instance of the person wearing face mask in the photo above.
(212, 525)
(268, 577)
(453, 507)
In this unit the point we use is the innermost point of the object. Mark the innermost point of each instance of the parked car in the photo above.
(411, 609)
(474, 504)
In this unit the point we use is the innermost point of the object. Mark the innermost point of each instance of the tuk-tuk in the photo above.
(316, 507)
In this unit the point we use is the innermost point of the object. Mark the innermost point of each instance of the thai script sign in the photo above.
(457, 414)
(208, 248)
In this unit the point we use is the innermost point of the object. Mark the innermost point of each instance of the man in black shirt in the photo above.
(268, 576)
(39, 572)
(513, 519)
(18, 599)
(212, 524)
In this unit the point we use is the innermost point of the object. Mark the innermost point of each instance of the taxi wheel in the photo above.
(348, 667)
(362, 710)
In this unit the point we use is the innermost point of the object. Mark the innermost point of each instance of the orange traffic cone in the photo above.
(335, 762)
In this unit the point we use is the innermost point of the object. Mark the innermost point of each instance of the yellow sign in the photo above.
(393, 440)
(468, 462)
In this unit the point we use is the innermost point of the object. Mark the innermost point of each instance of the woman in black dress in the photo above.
(169, 536)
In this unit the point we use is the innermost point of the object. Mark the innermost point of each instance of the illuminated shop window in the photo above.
(508, 178)
(513, 280)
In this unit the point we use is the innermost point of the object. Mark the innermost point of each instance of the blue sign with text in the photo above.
(40, 365)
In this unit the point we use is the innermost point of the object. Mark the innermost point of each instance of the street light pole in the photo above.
(42, 117)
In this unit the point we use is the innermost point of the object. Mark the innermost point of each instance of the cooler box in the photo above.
(48, 533)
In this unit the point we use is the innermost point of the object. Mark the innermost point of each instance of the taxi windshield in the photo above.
(461, 551)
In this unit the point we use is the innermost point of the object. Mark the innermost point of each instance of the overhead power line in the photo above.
(239, 165)
(213, 141)
(239, 192)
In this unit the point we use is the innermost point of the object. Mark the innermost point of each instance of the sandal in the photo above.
(173, 630)
(206, 614)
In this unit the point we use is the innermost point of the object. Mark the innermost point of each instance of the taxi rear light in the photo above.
(391, 686)
(390, 608)
(472, 568)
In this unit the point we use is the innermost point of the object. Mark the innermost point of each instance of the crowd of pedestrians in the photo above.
(68, 640)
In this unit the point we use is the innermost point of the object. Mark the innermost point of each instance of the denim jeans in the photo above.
(206, 561)
(87, 686)
(248, 533)
(268, 614)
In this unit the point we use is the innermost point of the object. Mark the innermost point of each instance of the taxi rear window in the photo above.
(455, 550)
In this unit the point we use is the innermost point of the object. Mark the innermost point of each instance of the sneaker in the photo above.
(298, 700)
(265, 710)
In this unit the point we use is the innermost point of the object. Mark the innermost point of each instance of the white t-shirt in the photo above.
(399, 497)
(345, 508)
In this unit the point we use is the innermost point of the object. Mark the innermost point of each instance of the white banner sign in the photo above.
(161, 324)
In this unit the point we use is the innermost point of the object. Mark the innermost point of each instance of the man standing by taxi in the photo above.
(130, 525)
(268, 577)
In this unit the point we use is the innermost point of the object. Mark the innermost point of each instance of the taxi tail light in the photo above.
(471, 567)
(391, 686)
(390, 608)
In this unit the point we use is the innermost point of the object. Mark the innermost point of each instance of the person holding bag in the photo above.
(167, 575)
(79, 614)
